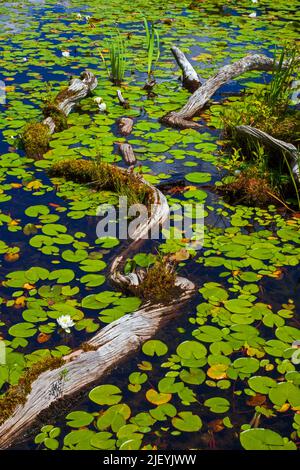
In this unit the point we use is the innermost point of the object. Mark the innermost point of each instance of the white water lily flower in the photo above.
(87, 18)
(102, 107)
(65, 53)
(252, 15)
(254, 1)
(79, 16)
(65, 322)
(98, 99)
(25, 59)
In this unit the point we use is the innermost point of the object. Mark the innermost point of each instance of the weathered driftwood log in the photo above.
(36, 135)
(289, 149)
(125, 125)
(202, 95)
(127, 153)
(123, 102)
(190, 79)
(65, 101)
(113, 344)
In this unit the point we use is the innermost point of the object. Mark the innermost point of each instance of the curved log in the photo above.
(114, 344)
(111, 346)
(66, 99)
(289, 149)
(202, 95)
(190, 79)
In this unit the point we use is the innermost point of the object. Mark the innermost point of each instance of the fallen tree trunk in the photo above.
(289, 149)
(125, 125)
(36, 135)
(127, 153)
(114, 344)
(202, 95)
(111, 346)
(66, 100)
(190, 79)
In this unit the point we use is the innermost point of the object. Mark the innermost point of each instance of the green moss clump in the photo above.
(16, 394)
(35, 139)
(59, 118)
(159, 283)
(104, 176)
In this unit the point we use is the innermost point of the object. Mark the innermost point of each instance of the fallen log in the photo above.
(289, 149)
(36, 136)
(127, 153)
(190, 79)
(183, 117)
(125, 125)
(114, 344)
(66, 100)
(107, 349)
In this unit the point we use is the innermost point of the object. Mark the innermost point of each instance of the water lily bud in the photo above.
(98, 99)
(102, 107)
(65, 53)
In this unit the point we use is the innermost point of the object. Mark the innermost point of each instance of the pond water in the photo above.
(227, 360)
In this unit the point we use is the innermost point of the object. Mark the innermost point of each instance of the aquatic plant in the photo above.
(158, 284)
(117, 57)
(152, 45)
(277, 94)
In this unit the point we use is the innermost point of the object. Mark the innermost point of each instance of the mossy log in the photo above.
(111, 346)
(78, 89)
(197, 101)
(190, 79)
(36, 135)
(292, 153)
